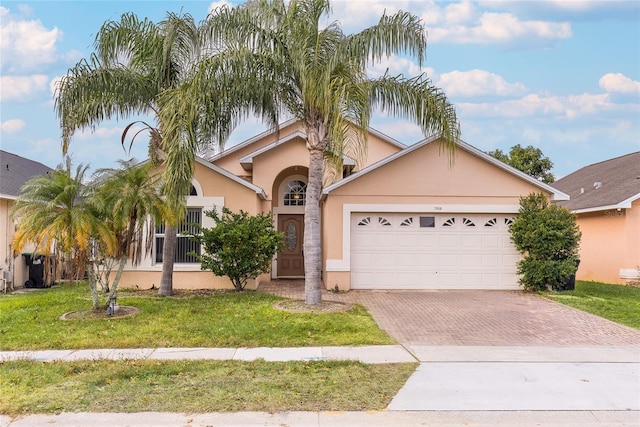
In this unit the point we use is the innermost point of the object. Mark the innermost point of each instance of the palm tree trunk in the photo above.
(168, 255)
(91, 276)
(116, 280)
(312, 253)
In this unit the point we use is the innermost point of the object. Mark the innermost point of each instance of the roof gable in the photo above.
(556, 194)
(259, 191)
(613, 183)
(15, 171)
(253, 140)
(247, 160)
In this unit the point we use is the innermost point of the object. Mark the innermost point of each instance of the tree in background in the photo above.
(239, 246)
(548, 237)
(529, 160)
(279, 59)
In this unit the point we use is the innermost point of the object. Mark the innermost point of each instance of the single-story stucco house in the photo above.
(409, 218)
(15, 171)
(605, 197)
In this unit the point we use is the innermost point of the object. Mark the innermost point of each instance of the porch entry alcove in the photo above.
(289, 215)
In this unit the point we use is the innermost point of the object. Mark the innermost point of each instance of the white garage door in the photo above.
(432, 251)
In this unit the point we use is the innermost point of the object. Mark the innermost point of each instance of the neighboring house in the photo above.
(411, 218)
(606, 198)
(14, 172)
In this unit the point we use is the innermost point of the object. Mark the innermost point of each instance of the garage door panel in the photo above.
(407, 240)
(407, 260)
(449, 240)
(470, 260)
(426, 240)
(448, 260)
(432, 251)
(470, 240)
(426, 259)
(491, 260)
(491, 241)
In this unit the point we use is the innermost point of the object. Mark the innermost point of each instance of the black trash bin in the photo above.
(570, 283)
(36, 271)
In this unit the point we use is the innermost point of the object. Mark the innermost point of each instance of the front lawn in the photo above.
(618, 303)
(31, 321)
(197, 386)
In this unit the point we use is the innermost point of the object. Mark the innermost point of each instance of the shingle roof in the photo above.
(610, 184)
(15, 171)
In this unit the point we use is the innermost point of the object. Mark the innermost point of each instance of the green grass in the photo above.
(197, 386)
(31, 321)
(618, 303)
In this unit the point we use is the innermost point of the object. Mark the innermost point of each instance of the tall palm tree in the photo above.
(279, 59)
(134, 63)
(54, 212)
(128, 197)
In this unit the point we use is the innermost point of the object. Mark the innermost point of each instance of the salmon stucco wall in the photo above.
(214, 191)
(610, 243)
(422, 180)
(181, 280)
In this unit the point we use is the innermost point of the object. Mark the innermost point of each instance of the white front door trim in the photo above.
(344, 264)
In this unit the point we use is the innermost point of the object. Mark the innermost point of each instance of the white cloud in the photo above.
(459, 13)
(13, 125)
(217, 4)
(619, 83)
(478, 83)
(355, 16)
(26, 44)
(21, 88)
(502, 28)
(533, 105)
(396, 65)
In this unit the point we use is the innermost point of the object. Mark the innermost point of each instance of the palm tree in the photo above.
(278, 59)
(55, 213)
(127, 197)
(134, 63)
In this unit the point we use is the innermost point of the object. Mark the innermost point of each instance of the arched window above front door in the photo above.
(295, 193)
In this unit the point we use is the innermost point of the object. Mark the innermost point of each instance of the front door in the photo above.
(291, 260)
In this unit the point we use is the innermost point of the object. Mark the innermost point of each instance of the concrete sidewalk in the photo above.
(453, 385)
(365, 354)
(334, 419)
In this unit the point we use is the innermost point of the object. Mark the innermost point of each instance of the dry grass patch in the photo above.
(197, 386)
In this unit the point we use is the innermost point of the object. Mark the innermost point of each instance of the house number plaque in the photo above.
(612, 213)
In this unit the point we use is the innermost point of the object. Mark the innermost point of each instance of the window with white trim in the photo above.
(295, 193)
(184, 245)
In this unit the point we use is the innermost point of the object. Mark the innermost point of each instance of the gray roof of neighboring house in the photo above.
(611, 184)
(15, 171)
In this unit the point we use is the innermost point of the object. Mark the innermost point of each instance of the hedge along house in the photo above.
(605, 196)
(409, 218)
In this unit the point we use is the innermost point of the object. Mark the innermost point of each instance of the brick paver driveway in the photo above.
(477, 318)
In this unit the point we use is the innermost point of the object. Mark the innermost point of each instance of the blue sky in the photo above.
(563, 76)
